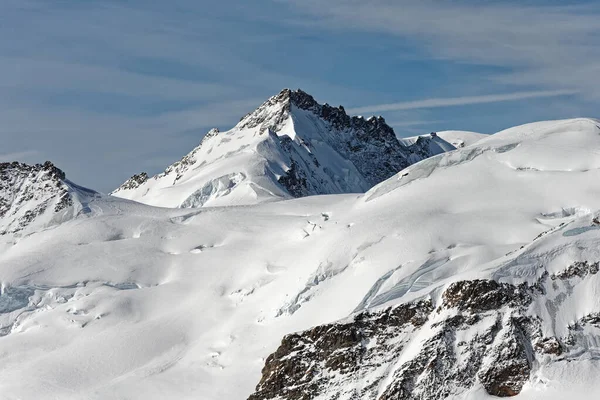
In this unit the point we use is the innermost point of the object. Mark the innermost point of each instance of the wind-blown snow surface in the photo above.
(132, 301)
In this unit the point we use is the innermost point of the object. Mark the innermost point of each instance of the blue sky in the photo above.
(106, 89)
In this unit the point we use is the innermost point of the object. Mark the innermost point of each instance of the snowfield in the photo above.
(132, 301)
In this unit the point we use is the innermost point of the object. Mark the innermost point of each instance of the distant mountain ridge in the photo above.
(35, 195)
(290, 146)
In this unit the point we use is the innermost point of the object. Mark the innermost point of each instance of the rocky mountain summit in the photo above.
(370, 144)
(30, 193)
(290, 146)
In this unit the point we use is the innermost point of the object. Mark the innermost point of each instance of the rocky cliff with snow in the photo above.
(291, 146)
(31, 194)
(460, 337)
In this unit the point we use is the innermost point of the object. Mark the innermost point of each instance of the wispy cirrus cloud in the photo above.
(460, 101)
(535, 44)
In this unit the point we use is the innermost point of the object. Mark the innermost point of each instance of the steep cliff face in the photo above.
(290, 146)
(477, 334)
(31, 194)
(369, 144)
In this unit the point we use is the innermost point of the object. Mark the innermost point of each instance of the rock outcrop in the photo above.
(31, 193)
(478, 334)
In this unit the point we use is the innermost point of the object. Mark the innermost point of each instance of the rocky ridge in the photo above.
(476, 334)
(32, 192)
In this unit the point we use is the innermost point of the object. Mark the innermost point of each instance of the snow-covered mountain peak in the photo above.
(461, 138)
(268, 115)
(35, 195)
(290, 146)
(273, 113)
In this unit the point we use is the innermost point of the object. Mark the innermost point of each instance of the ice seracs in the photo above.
(290, 146)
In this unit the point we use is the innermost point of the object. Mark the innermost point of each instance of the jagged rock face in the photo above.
(482, 295)
(482, 333)
(477, 335)
(579, 269)
(370, 144)
(27, 191)
(294, 181)
(290, 146)
(307, 364)
(135, 181)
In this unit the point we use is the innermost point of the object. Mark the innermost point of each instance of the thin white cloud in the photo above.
(549, 47)
(460, 101)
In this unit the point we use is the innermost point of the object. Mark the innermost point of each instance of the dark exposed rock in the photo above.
(421, 147)
(578, 269)
(348, 359)
(483, 295)
(293, 181)
(135, 181)
(307, 362)
(549, 345)
(576, 337)
(53, 170)
(212, 133)
(509, 364)
(26, 191)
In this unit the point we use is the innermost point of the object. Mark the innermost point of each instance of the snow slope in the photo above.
(290, 146)
(133, 301)
(461, 138)
(433, 143)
